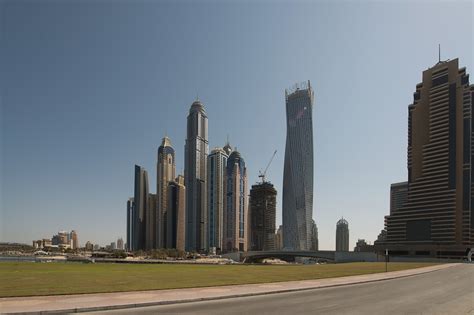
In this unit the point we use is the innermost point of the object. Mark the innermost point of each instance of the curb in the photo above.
(146, 304)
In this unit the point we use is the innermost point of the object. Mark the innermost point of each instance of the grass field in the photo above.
(27, 279)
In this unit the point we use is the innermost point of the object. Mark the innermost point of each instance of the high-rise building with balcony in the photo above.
(298, 168)
(176, 220)
(235, 204)
(216, 166)
(438, 214)
(342, 236)
(262, 216)
(196, 150)
(150, 226)
(166, 172)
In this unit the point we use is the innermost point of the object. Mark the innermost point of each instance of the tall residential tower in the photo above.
(216, 166)
(236, 204)
(176, 219)
(298, 168)
(195, 173)
(342, 236)
(165, 173)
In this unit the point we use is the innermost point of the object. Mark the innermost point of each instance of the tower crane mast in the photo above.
(262, 174)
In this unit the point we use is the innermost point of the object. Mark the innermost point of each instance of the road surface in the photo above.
(447, 291)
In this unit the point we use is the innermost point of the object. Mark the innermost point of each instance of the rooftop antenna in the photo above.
(439, 52)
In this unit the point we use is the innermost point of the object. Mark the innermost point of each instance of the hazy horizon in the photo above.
(89, 89)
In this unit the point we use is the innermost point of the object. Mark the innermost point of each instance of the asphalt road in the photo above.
(448, 291)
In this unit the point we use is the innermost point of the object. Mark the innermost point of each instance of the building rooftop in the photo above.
(305, 85)
(342, 221)
(197, 106)
(166, 142)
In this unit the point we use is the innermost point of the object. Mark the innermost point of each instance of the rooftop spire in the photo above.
(228, 148)
(166, 142)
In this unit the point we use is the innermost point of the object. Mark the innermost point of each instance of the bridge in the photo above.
(288, 254)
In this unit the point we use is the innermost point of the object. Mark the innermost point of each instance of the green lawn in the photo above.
(27, 279)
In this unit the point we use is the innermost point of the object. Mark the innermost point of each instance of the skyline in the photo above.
(67, 108)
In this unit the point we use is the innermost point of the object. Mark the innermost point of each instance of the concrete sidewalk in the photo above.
(120, 300)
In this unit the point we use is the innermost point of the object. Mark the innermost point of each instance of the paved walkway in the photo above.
(119, 300)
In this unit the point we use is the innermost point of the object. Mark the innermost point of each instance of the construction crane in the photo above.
(262, 174)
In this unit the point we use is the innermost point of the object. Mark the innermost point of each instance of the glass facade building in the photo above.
(196, 151)
(140, 208)
(130, 226)
(216, 166)
(298, 168)
(314, 236)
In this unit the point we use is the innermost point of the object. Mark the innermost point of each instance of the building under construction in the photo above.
(262, 216)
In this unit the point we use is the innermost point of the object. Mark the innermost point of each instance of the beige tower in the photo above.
(75, 240)
(150, 222)
(176, 220)
(436, 214)
(235, 204)
(166, 170)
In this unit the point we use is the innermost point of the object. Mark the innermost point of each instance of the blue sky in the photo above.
(89, 88)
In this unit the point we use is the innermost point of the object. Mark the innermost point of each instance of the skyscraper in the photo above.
(235, 204)
(279, 238)
(342, 236)
(314, 236)
(438, 214)
(150, 227)
(196, 150)
(166, 169)
(216, 166)
(120, 244)
(298, 168)
(130, 223)
(176, 220)
(262, 216)
(140, 208)
(74, 240)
